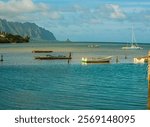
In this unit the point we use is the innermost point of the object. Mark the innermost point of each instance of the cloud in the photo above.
(21, 6)
(53, 15)
(104, 13)
(26, 10)
(79, 15)
(110, 11)
(147, 17)
(72, 14)
(139, 15)
(21, 10)
(116, 11)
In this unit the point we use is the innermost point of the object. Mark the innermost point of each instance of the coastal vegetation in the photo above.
(10, 38)
(23, 29)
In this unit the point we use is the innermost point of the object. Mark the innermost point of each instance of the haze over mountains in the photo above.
(26, 29)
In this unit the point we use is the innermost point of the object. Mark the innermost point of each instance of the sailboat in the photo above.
(133, 45)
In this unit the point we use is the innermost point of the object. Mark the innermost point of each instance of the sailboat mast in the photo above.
(133, 36)
(133, 42)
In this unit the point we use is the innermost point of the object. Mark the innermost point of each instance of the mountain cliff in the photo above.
(26, 29)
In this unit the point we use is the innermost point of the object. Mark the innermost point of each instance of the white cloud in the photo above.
(110, 11)
(78, 15)
(26, 10)
(117, 12)
(21, 6)
(103, 13)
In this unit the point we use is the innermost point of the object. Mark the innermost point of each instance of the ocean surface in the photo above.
(26, 83)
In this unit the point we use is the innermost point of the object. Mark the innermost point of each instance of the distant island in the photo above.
(26, 29)
(10, 38)
(68, 40)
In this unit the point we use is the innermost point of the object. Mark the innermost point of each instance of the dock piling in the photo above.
(149, 80)
(1, 58)
(69, 57)
(117, 59)
(125, 57)
(69, 54)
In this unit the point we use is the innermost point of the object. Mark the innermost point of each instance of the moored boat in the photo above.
(140, 59)
(93, 46)
(50, 57)
(133, 45)
(41, 51)
(96, 60)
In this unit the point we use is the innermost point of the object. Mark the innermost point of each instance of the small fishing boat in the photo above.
(93, 46)
(143, 59)
(42, 51)
(50, 57)
(133, 45)
(96, 60)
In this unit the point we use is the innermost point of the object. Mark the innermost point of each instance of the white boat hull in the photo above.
(96, 60)
(132, 48)
(136, 60)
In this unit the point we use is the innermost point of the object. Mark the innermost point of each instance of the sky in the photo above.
(84, 20)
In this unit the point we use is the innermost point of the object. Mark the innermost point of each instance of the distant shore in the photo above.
(10, 38)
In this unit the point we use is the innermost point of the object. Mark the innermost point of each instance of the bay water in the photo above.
(26, 83)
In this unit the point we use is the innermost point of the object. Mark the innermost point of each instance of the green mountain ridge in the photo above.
(26, 29)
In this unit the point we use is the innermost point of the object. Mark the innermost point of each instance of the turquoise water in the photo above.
(26, 83)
